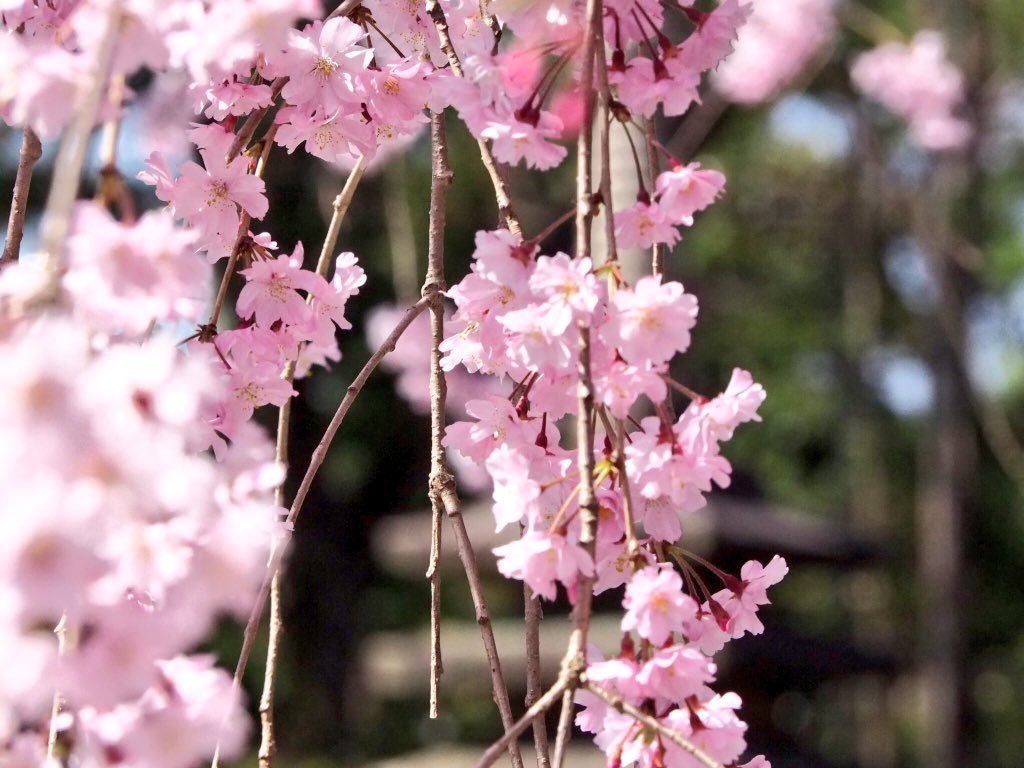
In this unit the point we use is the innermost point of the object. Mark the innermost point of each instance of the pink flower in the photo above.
(687, 189)
(744, 595)
(515, 492)
(514, 140)
(651, 322)
(920, 84)
(656, 605)
(540, 559)
(322, 62)
(270, 291)
(207, 197)
(643, 225)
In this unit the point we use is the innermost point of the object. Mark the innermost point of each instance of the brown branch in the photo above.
(320, 452)
(618, 703)
(650, 136)
(31, 151)
(501, 193)
(241, 235)
(252, 122)
(533, 613)
(268, 743)
(542, 705)
(453, 509)
(71, 157)
(433, 290)
(574, 662)
(604, 146)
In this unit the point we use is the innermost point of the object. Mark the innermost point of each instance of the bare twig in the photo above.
(268, 742)
(71, 156)
(340, 207)
(112, 189)
(533, 613)
(316, 461)
(659, 249)
(433, 287)
(574, 662)
(31, 151)
(320, 452)
(243, 232)
(57, 746)
(604, 146)
(542, 705)
(453, 509)
(618, 703)
(501, 193)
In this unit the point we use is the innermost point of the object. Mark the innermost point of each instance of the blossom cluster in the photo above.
(147, 491)
(133, 553)
(518, 313)
(917, 82)
(774, 45)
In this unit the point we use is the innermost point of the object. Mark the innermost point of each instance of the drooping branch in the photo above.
(617, 702)
(71, 156)
(433, 287)
(501, 193)
(574, 662)
(31, 151)
(240, 237)
(533, 613)
(542, 705)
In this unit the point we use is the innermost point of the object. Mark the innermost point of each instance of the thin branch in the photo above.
(112, 189)
(574, 662)
(340, 206)
(58, 747)
(632, 547)
(542, 705)
(71, 157)
(604, 146)
(659, 249)
(433, 289)
(241, 235)
(618, 703)
(316, 461)
(252, 122)
(453, 509)
(31, 151)
(533, 613)
(268, 743)
(501, 193)
(320, 452)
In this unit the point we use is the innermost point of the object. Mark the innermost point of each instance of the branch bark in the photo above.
(501, 193)
(433, 290)
(31, 151)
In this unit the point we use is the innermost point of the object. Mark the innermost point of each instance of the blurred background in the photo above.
(876, 289)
